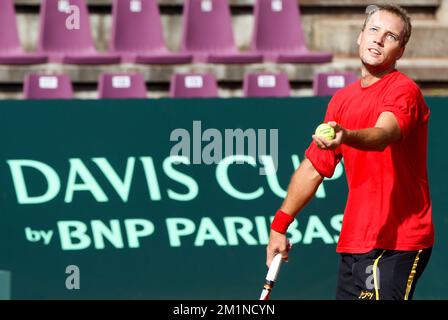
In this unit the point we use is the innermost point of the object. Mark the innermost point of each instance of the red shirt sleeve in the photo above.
(405, 102)
(325, 161)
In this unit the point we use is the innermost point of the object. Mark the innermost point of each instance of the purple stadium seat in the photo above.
(208, 34)
(67, 39)
(10, 50)
(146, 46)
(193, 86)
(327, 83)
(116, 86)
(266, 85)
(40, 86)
(279, 36)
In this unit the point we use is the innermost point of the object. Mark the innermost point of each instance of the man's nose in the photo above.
(379, 40)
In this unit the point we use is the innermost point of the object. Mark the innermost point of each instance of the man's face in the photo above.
(380, 41)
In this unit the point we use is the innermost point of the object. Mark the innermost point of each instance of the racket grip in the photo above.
(268, 285)
(271, 277)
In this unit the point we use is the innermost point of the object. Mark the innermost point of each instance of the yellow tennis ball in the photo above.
(325, 131)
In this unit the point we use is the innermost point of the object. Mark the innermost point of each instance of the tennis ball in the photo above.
(325, 131)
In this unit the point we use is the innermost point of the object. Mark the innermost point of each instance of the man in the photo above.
(381, 124)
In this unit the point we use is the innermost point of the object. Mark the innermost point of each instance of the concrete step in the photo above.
(420, 69)
(305, 3)
(430, 74)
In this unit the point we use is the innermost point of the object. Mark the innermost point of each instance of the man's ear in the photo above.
(400, 53)
(359, 39)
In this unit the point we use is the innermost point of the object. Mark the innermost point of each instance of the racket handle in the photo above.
(271, 277)
(266, 290)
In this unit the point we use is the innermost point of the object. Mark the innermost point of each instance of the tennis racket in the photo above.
(271, 276)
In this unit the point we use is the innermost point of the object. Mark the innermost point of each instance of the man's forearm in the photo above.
(302, 188)
(371, 139)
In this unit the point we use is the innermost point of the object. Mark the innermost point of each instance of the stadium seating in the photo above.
(39, 86)
(131, 31)
(11, 51)
(327, 83)
(65, 40)
(194, 85)
(208, 34)
(137, 34)
(121, 86)
(266, 85)
(279, 36)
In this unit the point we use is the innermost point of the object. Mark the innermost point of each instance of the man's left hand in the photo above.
(340, 134)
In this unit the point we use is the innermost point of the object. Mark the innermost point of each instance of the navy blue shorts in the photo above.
(380, 274)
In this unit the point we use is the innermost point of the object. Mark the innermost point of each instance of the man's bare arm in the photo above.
(303, 185)
(385, 132)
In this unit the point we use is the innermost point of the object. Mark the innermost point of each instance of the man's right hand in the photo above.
(278, 243)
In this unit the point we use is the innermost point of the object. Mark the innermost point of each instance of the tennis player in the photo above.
(381, 125)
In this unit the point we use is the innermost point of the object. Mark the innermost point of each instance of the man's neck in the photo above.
(371, 75)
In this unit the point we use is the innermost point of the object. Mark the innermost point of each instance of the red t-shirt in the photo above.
(388, 204)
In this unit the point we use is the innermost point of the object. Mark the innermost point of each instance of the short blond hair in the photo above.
(398, 11)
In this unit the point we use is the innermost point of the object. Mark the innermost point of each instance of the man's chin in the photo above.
(373, 63)
(377, 68)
